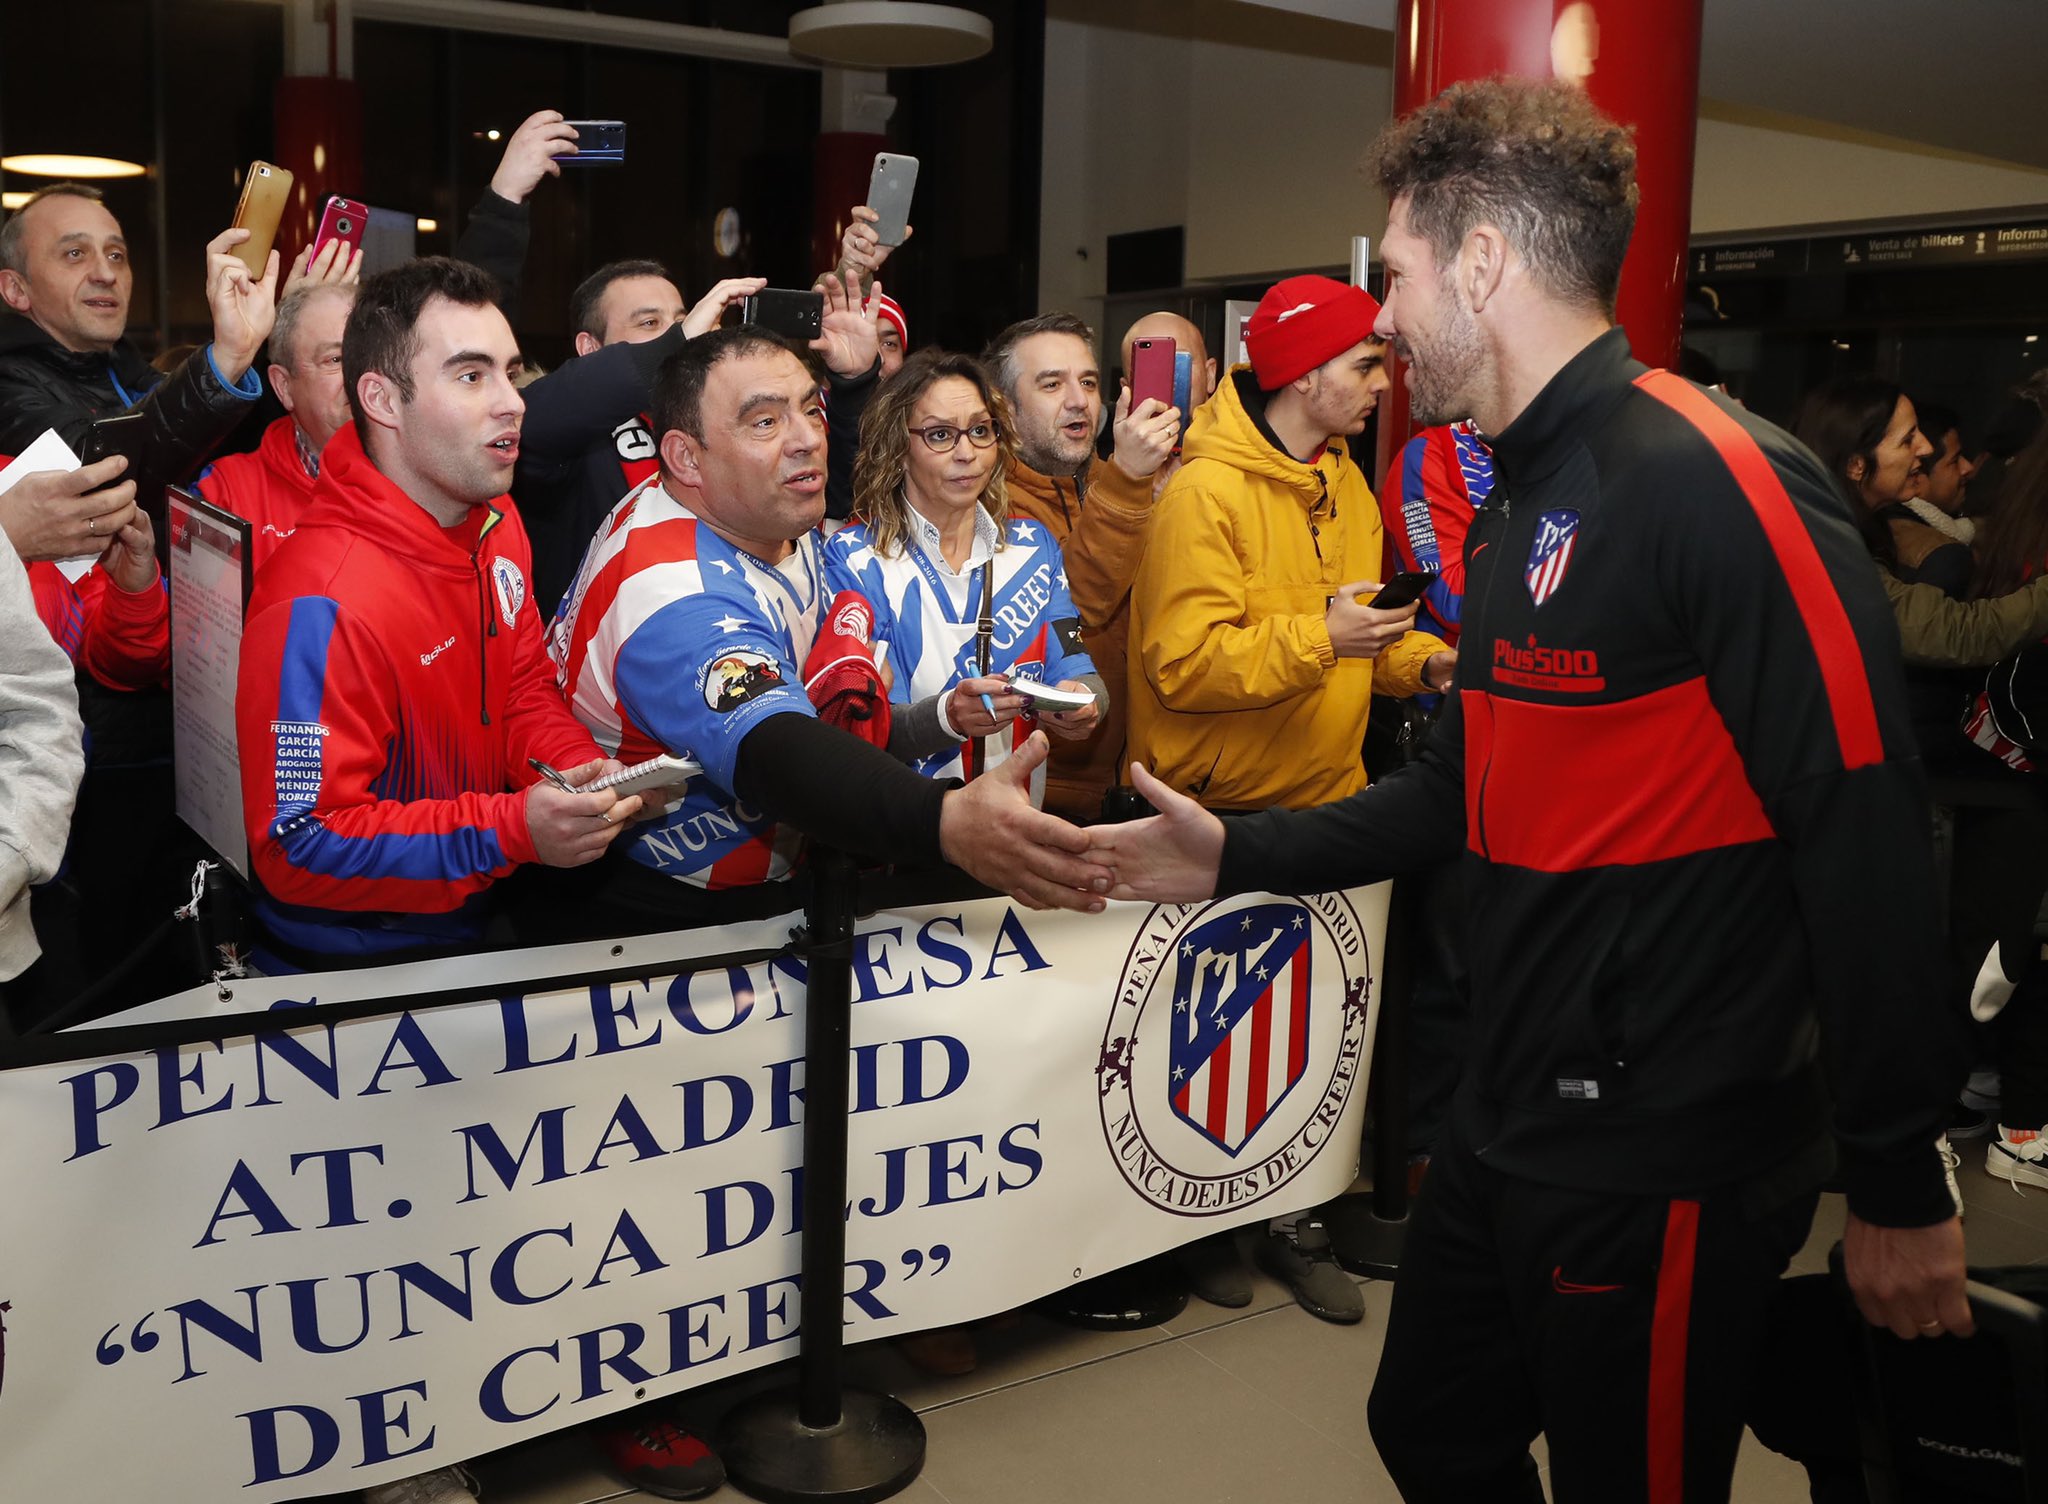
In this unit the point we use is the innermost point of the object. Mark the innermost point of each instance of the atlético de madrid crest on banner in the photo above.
(1228, 1056)
(1551, 554)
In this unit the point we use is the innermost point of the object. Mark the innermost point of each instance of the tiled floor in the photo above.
(1218, 1407)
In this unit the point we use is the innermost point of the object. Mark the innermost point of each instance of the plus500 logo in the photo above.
(1562, 663)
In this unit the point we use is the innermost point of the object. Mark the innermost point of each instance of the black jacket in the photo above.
(1692, 820)
(188, 413)
(585, 443)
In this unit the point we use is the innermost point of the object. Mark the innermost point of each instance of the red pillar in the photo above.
(1645, 62)
(320, 138)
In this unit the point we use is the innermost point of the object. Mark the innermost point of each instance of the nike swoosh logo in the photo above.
(1565, 1286)
(1482, 548)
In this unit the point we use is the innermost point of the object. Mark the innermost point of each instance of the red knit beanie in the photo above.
(889, 311)
(1302, 322)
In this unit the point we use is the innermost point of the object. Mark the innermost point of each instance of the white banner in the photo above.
(322, 1259)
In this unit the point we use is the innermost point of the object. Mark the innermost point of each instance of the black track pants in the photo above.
(1620, 1328)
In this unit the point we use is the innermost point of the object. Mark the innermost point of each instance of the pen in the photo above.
(551, 775)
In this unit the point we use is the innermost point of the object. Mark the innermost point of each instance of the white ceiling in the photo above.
(1966, 75)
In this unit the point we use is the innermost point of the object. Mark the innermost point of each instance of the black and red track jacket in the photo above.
(1694, 828)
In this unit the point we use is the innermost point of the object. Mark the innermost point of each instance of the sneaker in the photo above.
(1216, 1271)
(447, 1485)
(946, 1352)
(2019, 1155)
(659, 1457)
(1307, 1265)
(1982, 1090)
(1967, 1121)
(1950, 1163)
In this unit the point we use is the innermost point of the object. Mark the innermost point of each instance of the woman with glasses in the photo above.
(968, 603)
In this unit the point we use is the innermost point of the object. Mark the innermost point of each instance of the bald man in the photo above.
(1187, 339)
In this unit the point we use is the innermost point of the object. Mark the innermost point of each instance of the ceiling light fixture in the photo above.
(889, 34)
(60, 165)
(427, 226)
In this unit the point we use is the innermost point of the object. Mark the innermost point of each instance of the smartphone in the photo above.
(344, 220)
(1151, 371)
(265, 192)
(890, 186)
(119, 434)
(1404, 589)
(793, 314)
(1183, 392)
(597, 141)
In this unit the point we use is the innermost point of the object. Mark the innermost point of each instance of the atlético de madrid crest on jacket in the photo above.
(1551, 554)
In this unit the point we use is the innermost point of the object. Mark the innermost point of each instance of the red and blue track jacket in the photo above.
(1446, 475)
(393, 684)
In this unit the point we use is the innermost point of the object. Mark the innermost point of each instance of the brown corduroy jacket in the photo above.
(1099, 519)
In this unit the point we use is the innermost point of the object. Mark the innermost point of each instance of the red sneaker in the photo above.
(660, 1458)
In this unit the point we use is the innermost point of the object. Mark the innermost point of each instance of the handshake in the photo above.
(991, 831)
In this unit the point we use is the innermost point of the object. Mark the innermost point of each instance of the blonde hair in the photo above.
(883, 465)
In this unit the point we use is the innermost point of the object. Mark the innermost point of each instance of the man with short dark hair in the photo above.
(1680, 722)
(394, 689)
(1047, 371)
(686, 631)
(393, 679)
(272, 485)
(65, 358)
(1939, 498)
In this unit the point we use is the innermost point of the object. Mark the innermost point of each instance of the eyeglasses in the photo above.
(941, 437)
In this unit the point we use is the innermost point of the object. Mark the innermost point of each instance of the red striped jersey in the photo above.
(672, 640)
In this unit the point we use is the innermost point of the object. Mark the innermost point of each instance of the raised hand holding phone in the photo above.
(534, 152)
(1144, 435)
(705, 313)
(244, 307)
(859, 249)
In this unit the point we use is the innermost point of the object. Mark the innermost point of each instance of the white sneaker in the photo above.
(447, 1485)
(2019, 1155)
(1950, 1163)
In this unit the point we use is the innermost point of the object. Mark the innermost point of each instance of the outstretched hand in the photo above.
(1173, 857)
(990, 831)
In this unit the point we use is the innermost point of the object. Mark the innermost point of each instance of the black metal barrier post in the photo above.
(821, 1441)
(1368, 1232)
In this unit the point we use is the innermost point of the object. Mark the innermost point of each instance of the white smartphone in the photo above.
(890, 186)
(655, 773)
(1050, 697)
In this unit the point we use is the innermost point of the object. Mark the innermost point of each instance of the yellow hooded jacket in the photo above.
(1236, 696)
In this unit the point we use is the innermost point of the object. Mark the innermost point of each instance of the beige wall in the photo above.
(1250, 135)
(1752, 175)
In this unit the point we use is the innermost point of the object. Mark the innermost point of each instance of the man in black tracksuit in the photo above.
(1678, 767)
